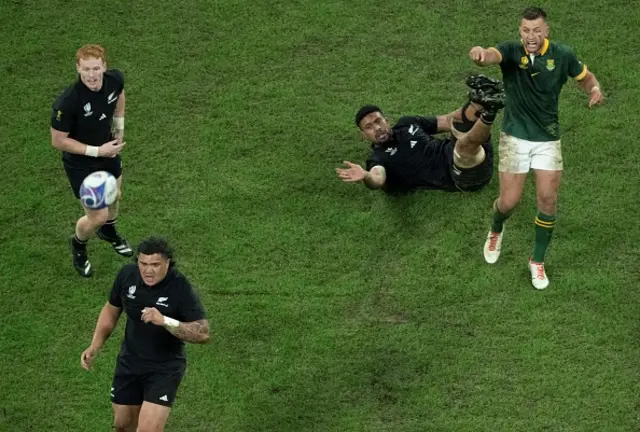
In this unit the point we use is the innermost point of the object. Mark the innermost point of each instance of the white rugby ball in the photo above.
(98, 190)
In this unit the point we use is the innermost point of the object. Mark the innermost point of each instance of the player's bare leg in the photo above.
(107, 231)
(547, 186)
(115, 207)
(487, 97)
(468, 151)
(88, 224)
(153, 417)
(511, 187)
(125, 417)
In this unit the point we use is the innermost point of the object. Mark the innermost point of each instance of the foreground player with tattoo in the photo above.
(163, 312)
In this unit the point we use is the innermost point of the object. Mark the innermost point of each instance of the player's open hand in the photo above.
(152, 315)
(596, 97)
(87, 357)
(353, 172)
(111, 149)
(477, 54)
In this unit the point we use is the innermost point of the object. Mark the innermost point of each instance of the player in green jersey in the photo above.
(534, 71)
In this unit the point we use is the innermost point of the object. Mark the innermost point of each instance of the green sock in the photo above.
(499, 218)
(544, 229)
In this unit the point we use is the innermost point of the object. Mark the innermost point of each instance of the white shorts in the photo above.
(517, 156)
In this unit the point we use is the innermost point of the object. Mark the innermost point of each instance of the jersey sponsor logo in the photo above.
(391, 150)
(112, 98)
(413, 143)
(87, 110)
(534, 74)
(413, 129)
(551, 64)
(162, 301)
(132, 291)
(102, 116)
(524, 62)
(58, 115)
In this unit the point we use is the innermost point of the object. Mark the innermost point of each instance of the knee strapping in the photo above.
(469, 161)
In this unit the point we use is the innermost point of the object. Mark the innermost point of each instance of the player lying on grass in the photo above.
(407, 156)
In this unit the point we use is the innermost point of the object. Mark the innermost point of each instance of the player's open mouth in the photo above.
(382, 137)
(532, 46)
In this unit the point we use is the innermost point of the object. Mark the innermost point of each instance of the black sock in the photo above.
(109, 229)
(79, 245)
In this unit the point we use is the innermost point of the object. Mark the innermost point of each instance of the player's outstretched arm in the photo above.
(107, 321)
(485, 56)
(591, 85)
(354, 173)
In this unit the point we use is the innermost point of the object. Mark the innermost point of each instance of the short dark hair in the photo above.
(364, 111)
(156, 245)
(533, 13)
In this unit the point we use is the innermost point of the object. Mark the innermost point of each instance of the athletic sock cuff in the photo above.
(544, 220)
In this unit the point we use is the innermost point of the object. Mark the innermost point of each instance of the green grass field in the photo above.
(332, 308)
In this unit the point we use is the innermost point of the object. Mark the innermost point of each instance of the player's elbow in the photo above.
(57, 139)
(55, 142)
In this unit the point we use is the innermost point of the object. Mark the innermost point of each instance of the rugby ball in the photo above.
(98, 190)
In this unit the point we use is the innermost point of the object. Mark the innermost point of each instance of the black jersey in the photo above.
(147, 346)
(87, 115)
(413, 158)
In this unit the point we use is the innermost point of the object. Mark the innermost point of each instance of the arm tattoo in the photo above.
(193, 332)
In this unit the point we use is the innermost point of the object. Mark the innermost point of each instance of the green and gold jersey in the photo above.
(532, 85)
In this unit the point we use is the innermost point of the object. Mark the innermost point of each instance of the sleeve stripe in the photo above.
(582, 74)
(497, 52)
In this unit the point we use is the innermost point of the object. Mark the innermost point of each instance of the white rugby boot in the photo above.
(539, 278)
(492, 246)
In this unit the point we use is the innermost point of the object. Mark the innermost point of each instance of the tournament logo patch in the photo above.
(59, 115)
(551, 65)
(524, 61)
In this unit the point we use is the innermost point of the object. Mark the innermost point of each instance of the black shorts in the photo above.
(77, 174)
(131, 387)
(473, 179)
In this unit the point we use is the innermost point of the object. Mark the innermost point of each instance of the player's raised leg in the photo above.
(125, 417)
(107, 231)
(469, 170)
(153, 417)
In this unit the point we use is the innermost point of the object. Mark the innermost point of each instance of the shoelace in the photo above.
(493, 241)
(539, 271)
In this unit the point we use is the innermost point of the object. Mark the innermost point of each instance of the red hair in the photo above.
(91, 51)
